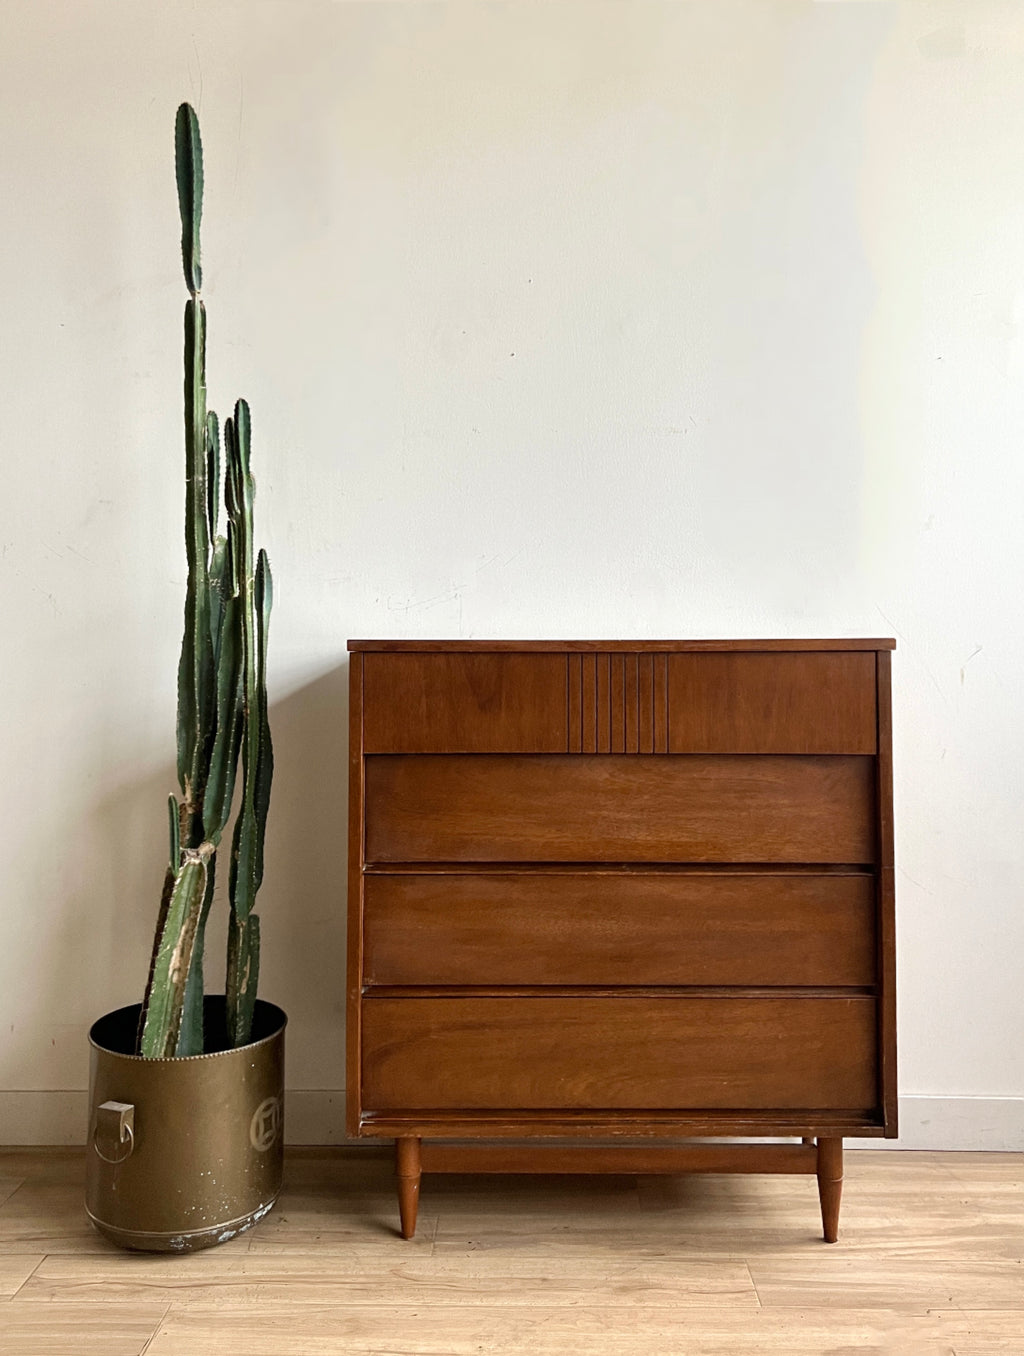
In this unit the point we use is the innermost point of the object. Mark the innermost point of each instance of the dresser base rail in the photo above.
(822, 1158)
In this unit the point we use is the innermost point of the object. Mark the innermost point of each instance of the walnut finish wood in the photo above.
(465, 703)
(619, 1125)
(640, 928)
(356, 831)
(621, 891)
(619, 1053)
(618, 703)
(823, 702)
(784, 1158)
(830, 1185)
(611, 646)
(408, 1170)
(645, 808)
(886, 899)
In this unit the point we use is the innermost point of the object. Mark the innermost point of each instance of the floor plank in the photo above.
(57, 1329)
(8, 1186)
(542, 1331)
(887, 1284)
(254, 1281)
(14, 1272)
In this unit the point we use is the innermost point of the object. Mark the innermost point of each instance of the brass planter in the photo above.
(184, 1153)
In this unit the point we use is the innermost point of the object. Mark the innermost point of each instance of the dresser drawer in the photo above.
(608, 1053)
(464, 703)
(631, 928)
(817, 702)
(591, 808)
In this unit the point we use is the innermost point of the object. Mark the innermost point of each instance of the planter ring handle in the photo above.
(118, 1118)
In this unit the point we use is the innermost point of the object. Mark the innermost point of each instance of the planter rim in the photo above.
(270, 1012)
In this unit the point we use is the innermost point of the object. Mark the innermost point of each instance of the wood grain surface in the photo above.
(604, 808)
(619, 1052)
(465, 703)
(823, 702)
(615, 646)
(527, 928)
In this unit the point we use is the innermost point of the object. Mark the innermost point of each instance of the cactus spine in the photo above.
(222, 696)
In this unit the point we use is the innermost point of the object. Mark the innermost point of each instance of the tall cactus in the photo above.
(222, 695)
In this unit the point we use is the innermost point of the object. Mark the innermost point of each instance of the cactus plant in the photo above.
(222, 696)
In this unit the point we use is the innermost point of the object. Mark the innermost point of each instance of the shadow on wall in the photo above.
(110, 879)
(302, 902)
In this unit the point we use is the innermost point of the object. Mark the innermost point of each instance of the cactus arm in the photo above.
(195, 672)
(212, 442)
(220, 785)
(188, 169)
(255, 598)
(243, 976)
(174, 956)
(242, 885)
(264, 600)
(195, 707)
(161, 922)
(174, 831)
(192, 1033)
(220, 591)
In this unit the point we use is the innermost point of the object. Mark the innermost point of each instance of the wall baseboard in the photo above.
(318, 1117)
(989, 1123)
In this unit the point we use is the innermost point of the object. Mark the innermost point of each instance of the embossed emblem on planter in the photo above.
(265, 1125)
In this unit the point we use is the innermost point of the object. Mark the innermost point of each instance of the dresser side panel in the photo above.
(354, 961)
(886, 901)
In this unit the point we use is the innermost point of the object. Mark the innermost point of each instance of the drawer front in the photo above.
(464, 703)
(632, 929)
(618, 1053)
(590, 808)
(819, 702)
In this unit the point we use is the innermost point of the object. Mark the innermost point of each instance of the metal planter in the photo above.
(187, 1152)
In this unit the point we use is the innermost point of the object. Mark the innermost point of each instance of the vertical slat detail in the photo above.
(588, 703)
(645, 703)
(631, 703)
(604, 704)
(574, 682)
(617, 703)
(660, 714)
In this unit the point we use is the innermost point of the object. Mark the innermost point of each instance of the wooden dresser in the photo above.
(610, 896)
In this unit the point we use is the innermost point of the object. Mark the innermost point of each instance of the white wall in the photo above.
(557, 319)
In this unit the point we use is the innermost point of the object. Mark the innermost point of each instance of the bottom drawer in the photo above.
(610, 1053)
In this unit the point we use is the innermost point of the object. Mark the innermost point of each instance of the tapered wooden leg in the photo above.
(408, 1158)
(830, 1185)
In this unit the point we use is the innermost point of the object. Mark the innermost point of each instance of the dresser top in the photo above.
(614, 646)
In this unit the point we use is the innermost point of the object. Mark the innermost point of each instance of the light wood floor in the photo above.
(929, 1261)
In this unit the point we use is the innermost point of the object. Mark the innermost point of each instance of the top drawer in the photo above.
(813, 702)
(464, 703)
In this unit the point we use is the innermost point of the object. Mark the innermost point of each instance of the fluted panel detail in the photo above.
(618, 703)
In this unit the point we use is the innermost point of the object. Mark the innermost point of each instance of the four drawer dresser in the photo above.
(621, 906)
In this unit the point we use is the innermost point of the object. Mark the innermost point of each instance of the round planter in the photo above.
(186, 1152)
